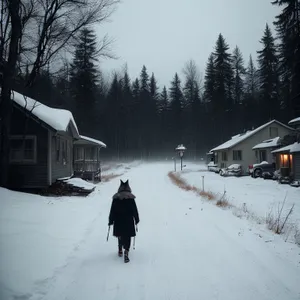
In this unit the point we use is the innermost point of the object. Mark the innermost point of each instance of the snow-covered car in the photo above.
(232, 170)
(257, 170)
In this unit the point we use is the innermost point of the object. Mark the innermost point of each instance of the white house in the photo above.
(238, 150)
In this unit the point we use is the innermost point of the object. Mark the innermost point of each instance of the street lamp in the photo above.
(180, 150)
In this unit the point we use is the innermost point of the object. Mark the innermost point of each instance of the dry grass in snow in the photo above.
(181, 183)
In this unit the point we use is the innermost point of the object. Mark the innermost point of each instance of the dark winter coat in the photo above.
(123, 212)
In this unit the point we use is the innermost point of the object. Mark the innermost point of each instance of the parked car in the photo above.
(257, 170)
(211, 166)
(232, 170)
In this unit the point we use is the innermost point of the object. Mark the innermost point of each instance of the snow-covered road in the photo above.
(186, 248)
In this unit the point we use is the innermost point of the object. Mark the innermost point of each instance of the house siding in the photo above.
(248, 155)
(296, 165)
(59, 169)
(23, 175)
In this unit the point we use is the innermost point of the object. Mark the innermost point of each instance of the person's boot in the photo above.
(126, 258)
(120, 252)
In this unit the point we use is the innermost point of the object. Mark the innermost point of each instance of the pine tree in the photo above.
(144, 79)
(251, 80)
(222, 107)
(239, 72)
(176, 100)
(136, 89)
(288, 28)
(176, 95)
(126, 85)
(84, 73)
(114, 114)
(268, 76)
(224, 74)
(84, 78)
(163, 115)
(153, 88)
(210, 80)
(163, 100)
(251, 97)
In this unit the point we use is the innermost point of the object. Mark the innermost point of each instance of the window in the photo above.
(262, 155)
(23, 149)
(57, 144)
(286, 160)
(64, 152)
(237, 154)
(224, 156)
(273, 132)
(79, 154)
(216, 158)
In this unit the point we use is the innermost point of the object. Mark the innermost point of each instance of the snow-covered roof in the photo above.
(267, 143)
(295, 147)
(93, 141)
(243, 136)
(58, 119)
(289, 148)
(296, 120)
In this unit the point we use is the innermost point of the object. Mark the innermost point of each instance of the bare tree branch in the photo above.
(57, 24)
(191, 71)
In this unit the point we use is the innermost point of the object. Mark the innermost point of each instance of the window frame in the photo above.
(57, 149)
(224, 156)
(24, 160)
(235, 152)
(262, 153)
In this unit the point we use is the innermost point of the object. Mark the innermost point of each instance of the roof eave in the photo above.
(33, 117)
(82, 141)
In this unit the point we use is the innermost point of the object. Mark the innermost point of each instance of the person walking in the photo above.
(124, 217)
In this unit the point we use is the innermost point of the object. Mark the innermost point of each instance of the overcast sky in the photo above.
(164, 34)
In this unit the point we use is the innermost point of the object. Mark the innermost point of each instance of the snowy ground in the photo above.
(260, 196)
(186, 248)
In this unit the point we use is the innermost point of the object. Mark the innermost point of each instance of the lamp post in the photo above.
(180, 150)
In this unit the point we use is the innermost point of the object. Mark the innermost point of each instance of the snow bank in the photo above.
(58, 119)
(37, 235)
(260, 196)
(78, 182)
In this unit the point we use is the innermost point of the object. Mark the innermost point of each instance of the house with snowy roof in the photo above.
(288, 157)
(239, 149)
(41, 144)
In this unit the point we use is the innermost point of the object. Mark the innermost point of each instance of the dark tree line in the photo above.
(137, 118)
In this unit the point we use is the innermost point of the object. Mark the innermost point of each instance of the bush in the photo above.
(277, 221)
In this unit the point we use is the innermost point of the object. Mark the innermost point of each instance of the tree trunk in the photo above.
(6, 103)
